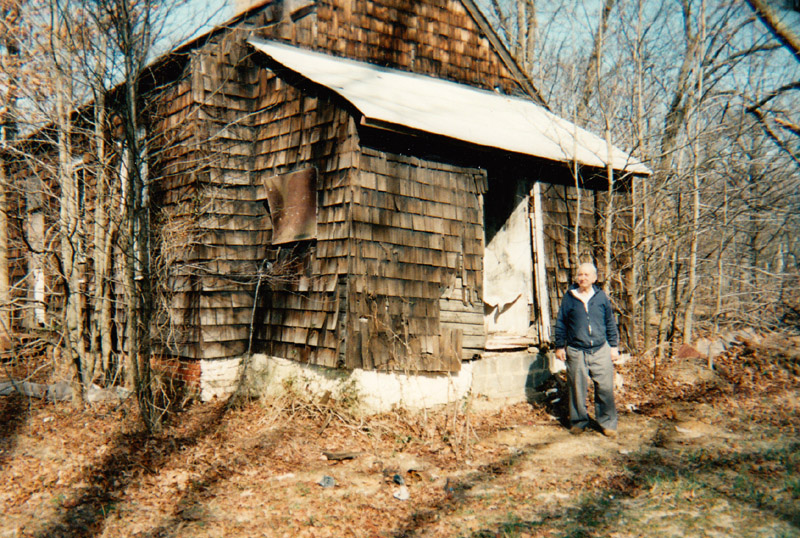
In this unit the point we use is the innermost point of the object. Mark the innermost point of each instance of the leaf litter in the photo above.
(713, 453)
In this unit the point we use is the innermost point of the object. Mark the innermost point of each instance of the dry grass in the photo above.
(704, 458)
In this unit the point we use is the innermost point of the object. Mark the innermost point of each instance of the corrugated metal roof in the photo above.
(389, 96)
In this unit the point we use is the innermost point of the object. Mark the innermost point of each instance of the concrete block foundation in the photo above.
(497, 378)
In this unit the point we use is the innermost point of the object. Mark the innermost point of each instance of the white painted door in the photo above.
(508, 275)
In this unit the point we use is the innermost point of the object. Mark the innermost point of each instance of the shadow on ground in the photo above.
(457, 490)
(694, 475)
(13, 414)
(87, 510)
(759, 479)
(190, 507)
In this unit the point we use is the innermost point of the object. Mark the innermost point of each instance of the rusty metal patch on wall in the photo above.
(292, 200)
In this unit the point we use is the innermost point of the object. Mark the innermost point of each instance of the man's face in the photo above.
(586, 277)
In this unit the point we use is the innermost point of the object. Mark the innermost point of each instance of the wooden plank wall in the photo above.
(30, 191)
(560, 204)
(417, 249)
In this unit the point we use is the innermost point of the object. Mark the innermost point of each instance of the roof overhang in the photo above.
(390, 97)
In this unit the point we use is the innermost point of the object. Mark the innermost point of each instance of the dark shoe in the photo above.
(576, 430)
(608, 432)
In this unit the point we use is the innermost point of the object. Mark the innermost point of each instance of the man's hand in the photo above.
(561, 354)
(614, 353)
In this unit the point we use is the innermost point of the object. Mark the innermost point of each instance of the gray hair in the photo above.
(590, 266)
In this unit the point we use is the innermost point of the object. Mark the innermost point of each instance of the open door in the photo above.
(516, 300)
(508, 276)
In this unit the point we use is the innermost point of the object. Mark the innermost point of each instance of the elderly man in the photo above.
(586, 338)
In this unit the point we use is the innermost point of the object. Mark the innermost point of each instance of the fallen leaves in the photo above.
(254, 470)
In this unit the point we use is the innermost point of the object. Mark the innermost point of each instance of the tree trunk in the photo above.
(668, 309)
(106, 198)
(648, 299)
(530, 35)
(522, 30)
(720, 267)
(69, 233)
(691, 285)
(592, 77)
(609, 216)
(576, 229)
(137, 225)
(101, 297)
(9, 59)
(688, 319)
(643, 255)
(676, 114)
(5, 295)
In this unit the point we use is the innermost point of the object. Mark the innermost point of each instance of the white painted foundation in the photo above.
(498, 377)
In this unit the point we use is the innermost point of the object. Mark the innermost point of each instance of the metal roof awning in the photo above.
(387, 97)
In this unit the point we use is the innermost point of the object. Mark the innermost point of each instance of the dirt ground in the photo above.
(698, 454)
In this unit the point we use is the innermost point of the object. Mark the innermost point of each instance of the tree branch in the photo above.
(759, 115)
(776, 92)
(775, 25)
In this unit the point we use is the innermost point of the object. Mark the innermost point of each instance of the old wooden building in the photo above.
(376, 184)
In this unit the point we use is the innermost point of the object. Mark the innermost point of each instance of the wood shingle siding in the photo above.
(417, 236)
(389, 274)
(385, 268)
(412, 229)
(434, 38)
(294, 131)
(211, 306)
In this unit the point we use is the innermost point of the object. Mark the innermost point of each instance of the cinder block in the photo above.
(509, 375)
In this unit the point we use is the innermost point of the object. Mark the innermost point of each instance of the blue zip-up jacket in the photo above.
(587, 331)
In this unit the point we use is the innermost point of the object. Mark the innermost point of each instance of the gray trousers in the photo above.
(581, 365)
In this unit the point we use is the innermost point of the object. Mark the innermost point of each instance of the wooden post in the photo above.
(539, 264)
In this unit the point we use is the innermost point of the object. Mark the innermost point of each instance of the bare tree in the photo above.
(694, 230)
(132, 27)
(518, 25)
(92, 153)
(71, 236)
(10, 13)
(682, 75)
(593, 71)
